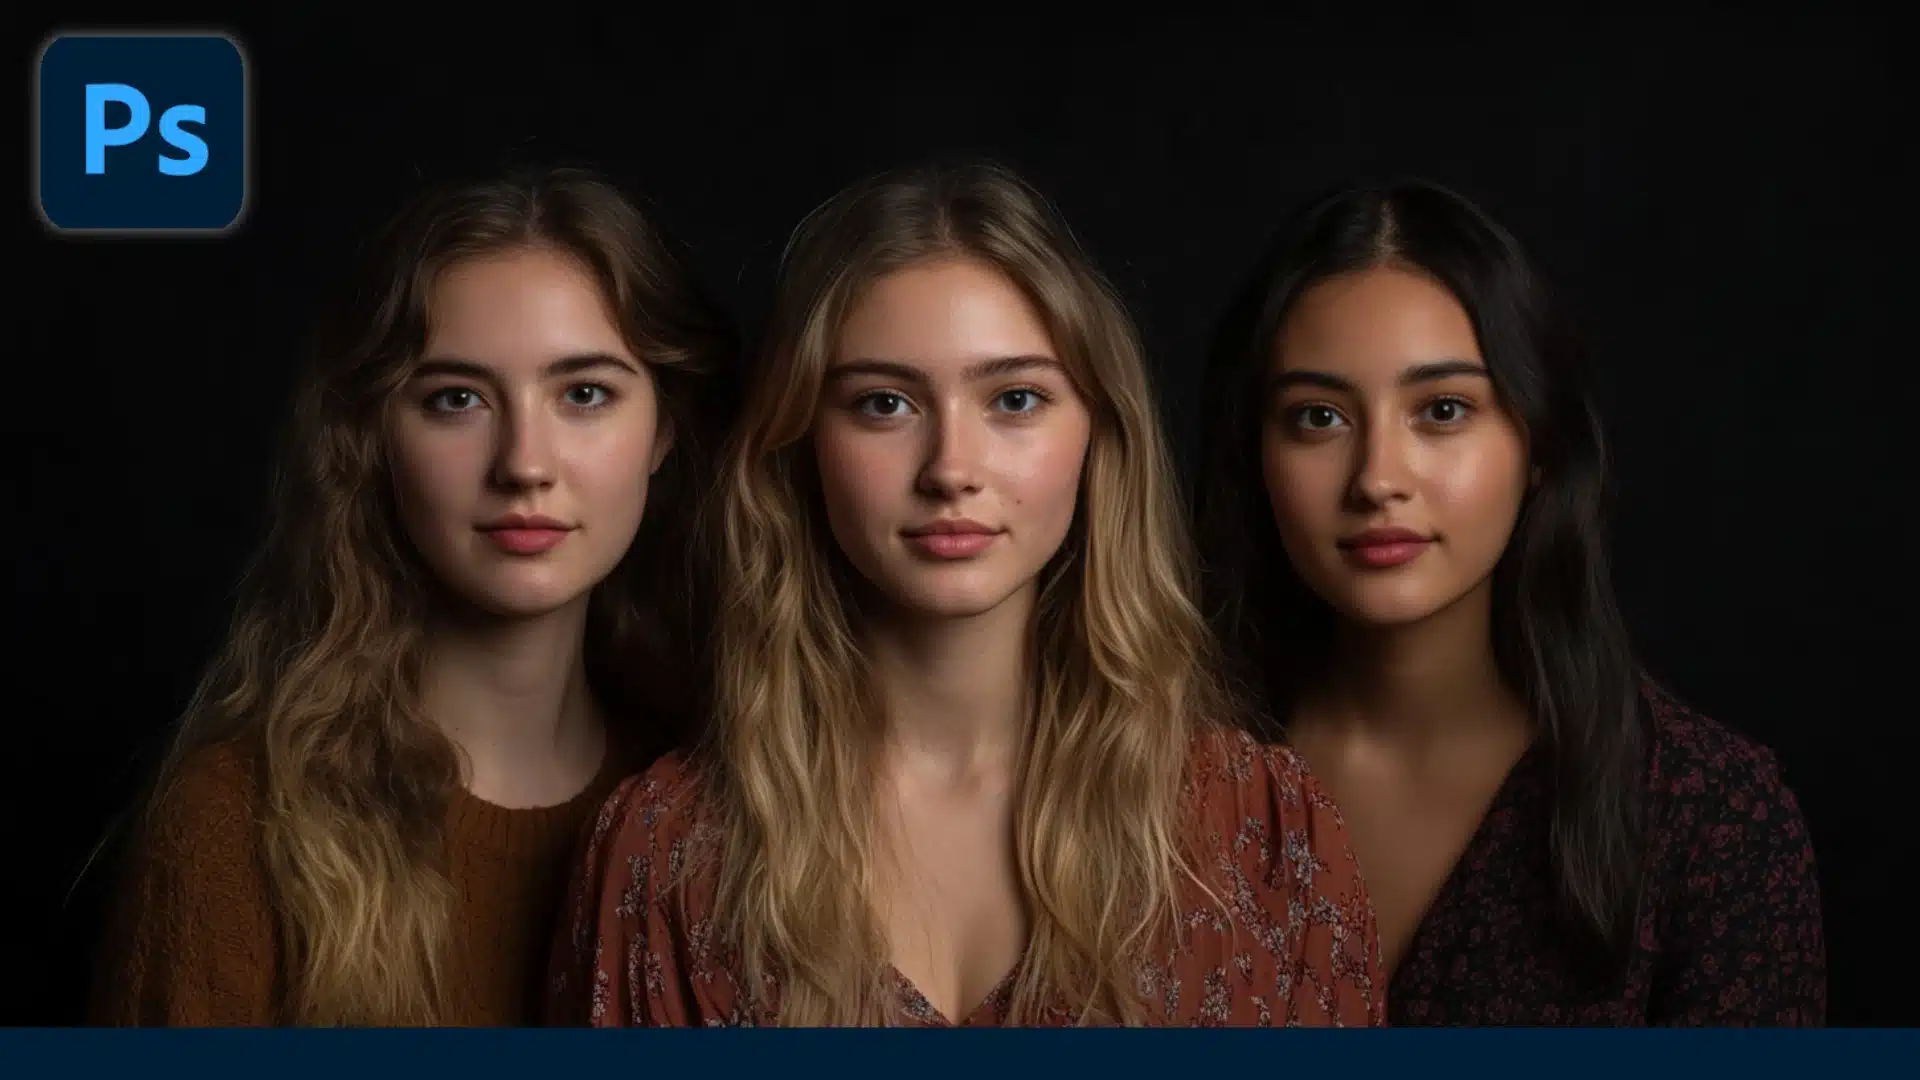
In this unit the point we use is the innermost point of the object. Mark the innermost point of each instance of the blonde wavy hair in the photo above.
(1123, 672)
(322, 663)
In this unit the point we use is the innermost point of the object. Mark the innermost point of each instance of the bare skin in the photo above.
(946, 402)
(1383, 418)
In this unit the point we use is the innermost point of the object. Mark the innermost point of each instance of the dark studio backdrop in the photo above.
(1715, 194)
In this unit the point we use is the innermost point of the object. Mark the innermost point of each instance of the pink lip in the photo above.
(952, 545)
(1383, 548)
(525, 534)
(951, 538)
(524, 521)
(526, 541)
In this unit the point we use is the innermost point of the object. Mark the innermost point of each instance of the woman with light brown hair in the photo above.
(969, 762)
(459, 633)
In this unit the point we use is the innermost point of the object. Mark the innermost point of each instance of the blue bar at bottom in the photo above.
(1481, 1054)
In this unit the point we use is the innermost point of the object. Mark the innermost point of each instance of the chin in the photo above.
(1386, 617)
(951, 609)
(949, 600)
(521, 599)
(521, 607)
(1391, 607)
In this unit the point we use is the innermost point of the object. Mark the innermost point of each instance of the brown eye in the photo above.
(451, 400)
(588, 396)
(1316, 417)
(881, 404)
(1446, 411)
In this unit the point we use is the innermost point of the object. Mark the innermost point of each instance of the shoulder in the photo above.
(1736, 874)
(1229, 768)
(1276, 847)
(197, 858)
(209, 803)
(640, 854)
(655, 810)
(1259, 804)
(191, 936)
(1717, 790)
(1700, 763)
(668, 788)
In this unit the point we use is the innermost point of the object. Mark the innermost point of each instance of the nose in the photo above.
(952, 465)
(523, 455)
(1381, 473)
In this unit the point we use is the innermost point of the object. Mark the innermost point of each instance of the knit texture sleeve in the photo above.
(191, 940)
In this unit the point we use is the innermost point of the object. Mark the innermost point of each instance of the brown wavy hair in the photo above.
(321, 666)
(1122, 674)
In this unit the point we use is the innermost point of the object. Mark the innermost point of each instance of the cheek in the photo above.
(436, 474)
(611, 463)
(1045, 473)
(1303, 483)
(857, 474)
(1480, 482)
(1041, 467)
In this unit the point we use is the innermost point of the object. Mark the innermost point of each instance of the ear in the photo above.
(662, 444)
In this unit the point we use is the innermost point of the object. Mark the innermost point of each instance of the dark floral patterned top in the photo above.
(1729, 924)
(1294, 944)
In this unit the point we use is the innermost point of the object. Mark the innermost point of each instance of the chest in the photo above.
(506, 902)
(951, 903)
(1408, 842)
(1489, 948)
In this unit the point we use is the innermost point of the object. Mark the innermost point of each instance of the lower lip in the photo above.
(1384, 555)
(526, 541)
(952, 545)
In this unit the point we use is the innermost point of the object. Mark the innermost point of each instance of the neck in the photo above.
(1421, 682)
(954, 691)
(512, 693)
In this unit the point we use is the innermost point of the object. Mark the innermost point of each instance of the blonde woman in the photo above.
(969, 764)
(453, 644)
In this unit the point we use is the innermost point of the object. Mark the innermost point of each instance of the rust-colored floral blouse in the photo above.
(1294, 944)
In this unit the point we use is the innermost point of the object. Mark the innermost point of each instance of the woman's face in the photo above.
(524, 440)
(1395, 475)
(949, 440)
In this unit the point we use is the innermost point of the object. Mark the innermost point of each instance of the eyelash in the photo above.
(1040, 395)
(861, 400)
(1297, 413)
(430, 402)
(1465, 407)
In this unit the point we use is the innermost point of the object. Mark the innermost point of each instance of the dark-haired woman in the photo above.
(1403, 539)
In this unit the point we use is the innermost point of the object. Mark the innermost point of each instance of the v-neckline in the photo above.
(916, 1004)
(1444, 897)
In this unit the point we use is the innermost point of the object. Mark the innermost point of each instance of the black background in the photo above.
(1716, 194)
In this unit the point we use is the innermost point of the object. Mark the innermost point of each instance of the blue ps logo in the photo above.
(141, 133)
(101, 135)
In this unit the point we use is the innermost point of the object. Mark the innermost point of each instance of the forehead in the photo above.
(519, 308)
(1370, 325)
(940, 316)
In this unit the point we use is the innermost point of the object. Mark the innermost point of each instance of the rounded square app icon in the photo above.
(142, 133)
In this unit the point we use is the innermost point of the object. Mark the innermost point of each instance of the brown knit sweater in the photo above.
(193, 941)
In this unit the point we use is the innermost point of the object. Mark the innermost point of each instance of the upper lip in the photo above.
(952, 527)
(524, 521)
(1377, 537)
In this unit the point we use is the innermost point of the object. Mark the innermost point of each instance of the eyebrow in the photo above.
(1418, 373)
(566, 365)
(998, 367)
